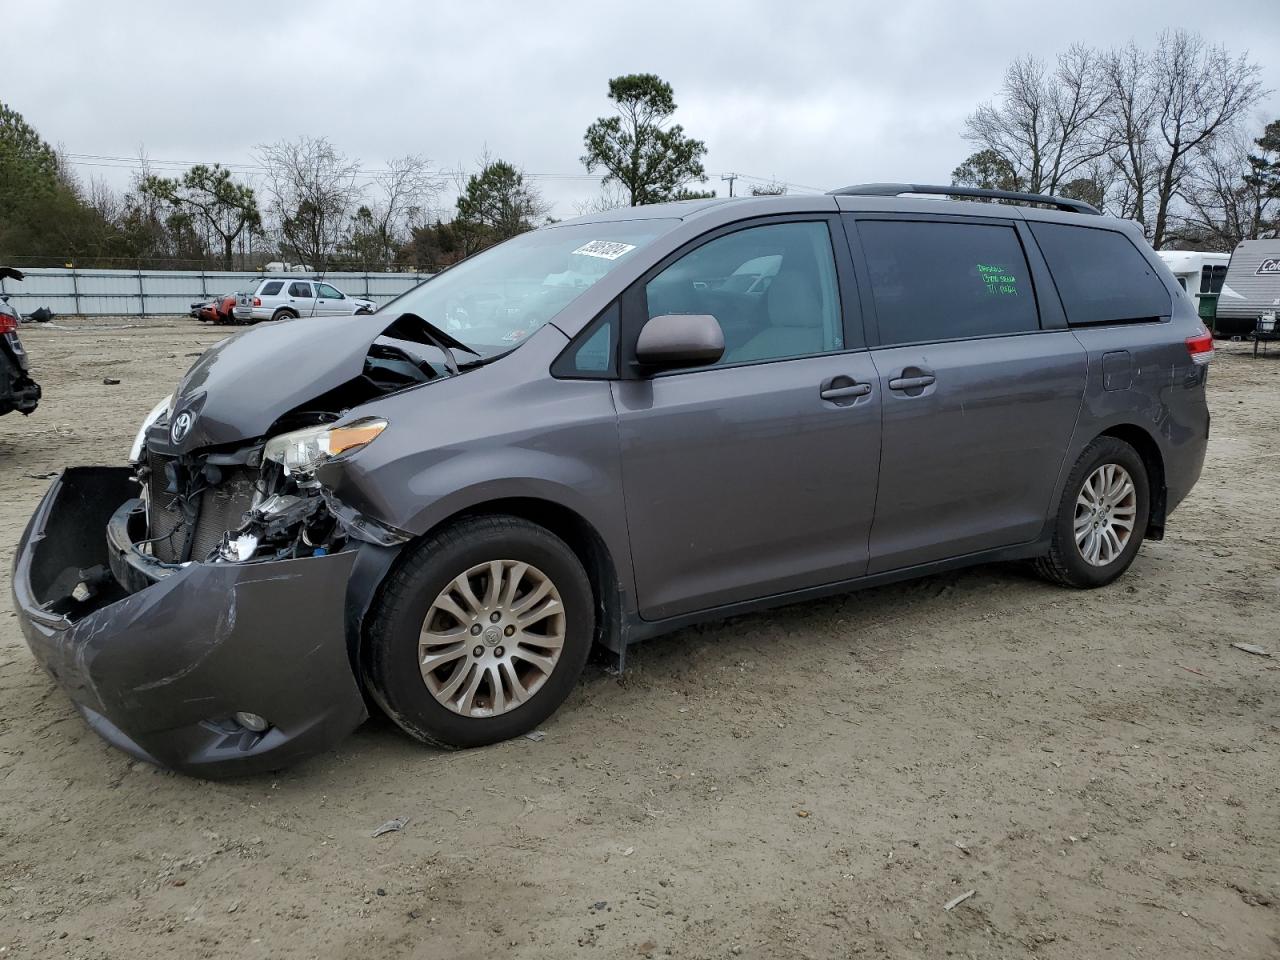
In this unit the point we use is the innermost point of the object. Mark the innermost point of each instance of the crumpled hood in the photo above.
(244, 384)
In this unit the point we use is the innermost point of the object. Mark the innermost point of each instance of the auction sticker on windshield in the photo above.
(605, 249)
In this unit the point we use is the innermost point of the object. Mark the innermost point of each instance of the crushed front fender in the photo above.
(161, 673)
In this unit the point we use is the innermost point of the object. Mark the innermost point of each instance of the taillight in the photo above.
(8, 324)
(1200, 346)
(257, 301)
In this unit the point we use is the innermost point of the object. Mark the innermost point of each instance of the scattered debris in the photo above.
(962, 848)
(599, 905)
(802, 813)
(1250, 648)
(629, 851)
(537, 736)
(956, 901)
(110, 381)
(43, 476)
(235, 905)
(391, 826)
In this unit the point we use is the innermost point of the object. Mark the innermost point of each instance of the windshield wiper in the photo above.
(416, 329)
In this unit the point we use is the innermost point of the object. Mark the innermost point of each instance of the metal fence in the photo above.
(157, 292)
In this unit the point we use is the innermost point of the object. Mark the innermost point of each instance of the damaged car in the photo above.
(597, 432)
(17, 390)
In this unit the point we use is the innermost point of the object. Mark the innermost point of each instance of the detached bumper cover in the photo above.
(160, 673)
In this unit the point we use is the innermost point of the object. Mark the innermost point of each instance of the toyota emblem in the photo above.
(181, 427)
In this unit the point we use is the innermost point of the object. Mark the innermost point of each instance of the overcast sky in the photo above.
(818, 95)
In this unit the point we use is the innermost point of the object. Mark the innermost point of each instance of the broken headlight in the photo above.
(135, 452)
(301, 451)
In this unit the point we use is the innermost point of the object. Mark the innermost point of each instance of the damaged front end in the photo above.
(253, 504)
(202, 606)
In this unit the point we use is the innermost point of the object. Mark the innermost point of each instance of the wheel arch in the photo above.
(577, 532)
(1149, 450)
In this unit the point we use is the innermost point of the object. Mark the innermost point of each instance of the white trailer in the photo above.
(1250, 298)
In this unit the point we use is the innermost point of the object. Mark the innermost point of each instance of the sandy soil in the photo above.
(1101, 768)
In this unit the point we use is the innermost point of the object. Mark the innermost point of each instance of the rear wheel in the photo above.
(481, 633)
(284, 314)
(1102, 517)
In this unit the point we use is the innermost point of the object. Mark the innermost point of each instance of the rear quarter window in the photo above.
(271, 289)
(1101, 276)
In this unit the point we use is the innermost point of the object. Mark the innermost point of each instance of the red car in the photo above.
(218, 311)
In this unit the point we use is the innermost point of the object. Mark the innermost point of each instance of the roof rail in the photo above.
(895, 189)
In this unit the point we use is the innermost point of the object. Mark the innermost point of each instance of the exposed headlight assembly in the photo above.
(135, 451)
(301, 451)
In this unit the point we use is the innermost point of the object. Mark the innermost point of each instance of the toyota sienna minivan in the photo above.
(600, 431)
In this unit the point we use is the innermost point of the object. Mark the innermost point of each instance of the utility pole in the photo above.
(730, 177)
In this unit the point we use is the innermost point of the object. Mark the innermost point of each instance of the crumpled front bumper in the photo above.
(160, 673)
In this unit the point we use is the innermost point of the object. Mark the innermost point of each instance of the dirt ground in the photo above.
(1101, 768)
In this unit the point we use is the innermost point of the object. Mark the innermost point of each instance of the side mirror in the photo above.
(680, 340)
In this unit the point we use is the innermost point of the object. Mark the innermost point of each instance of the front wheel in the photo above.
(481, 633)
(1101, 518)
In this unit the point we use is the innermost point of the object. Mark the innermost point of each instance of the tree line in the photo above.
(1163, 136)
(1159, 135)
(312, 205)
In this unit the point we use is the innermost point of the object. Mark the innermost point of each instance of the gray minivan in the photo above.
(600, 431)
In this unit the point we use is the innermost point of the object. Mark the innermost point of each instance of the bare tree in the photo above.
(1047, 124)
(402, 194)
(1226, 199)
(311, 191)
(611, 197)
(1131, 115)
(1200, 92)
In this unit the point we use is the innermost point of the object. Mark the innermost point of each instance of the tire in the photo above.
(409, 613)
(1066, 563)
(284, 314)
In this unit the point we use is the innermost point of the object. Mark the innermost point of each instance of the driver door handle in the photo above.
(843, 390)
(845, 393)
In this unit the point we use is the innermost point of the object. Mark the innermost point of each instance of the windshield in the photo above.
(497, 298)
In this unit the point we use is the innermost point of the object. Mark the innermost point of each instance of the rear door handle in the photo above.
(912, 383)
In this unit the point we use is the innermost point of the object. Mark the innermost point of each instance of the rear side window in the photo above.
(1101, 276)
(947, 281)
(271, 289)
(300, 290)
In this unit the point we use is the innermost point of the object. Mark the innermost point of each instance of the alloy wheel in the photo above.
(492, 638)
(1106, 509)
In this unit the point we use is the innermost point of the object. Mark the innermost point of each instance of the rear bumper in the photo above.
(159, 673)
